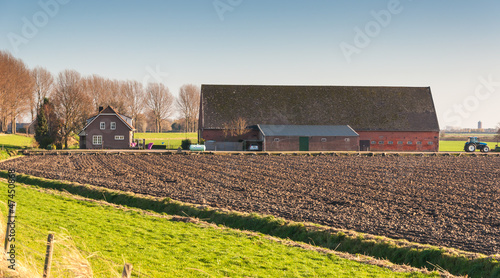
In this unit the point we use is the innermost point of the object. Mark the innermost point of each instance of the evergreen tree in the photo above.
(42, 135)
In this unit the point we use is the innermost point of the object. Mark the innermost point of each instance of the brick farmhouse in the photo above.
(107, 130)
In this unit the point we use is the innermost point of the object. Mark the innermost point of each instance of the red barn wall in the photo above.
(429, 140)
(424, 137)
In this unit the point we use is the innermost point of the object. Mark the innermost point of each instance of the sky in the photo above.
(453, 47)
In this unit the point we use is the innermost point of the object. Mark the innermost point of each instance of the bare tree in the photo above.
(234, 128)
(96, 87)
(133, 93)
(188, 103)
(15, 89)
(116, 96)
(159, 100)
(72, 104)
(42, 88)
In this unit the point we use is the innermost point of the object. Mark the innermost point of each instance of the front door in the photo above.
(364, 145)
(83, 142)
(304, 144)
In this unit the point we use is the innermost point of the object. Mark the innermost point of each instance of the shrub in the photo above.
(185, 144)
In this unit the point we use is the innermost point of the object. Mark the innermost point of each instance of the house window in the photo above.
(410, 143)
(419, 143)
(324, 139)
(97, 140)
(380, 142)
(347, 139)
(390, 142)
(276, 139)
(113, 126)
(430, 143)
(400, 142)
(103, 125)
(374, 142)
(119, 137)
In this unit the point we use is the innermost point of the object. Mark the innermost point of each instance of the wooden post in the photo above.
(127, 271)
(48, 256)
(10, 219)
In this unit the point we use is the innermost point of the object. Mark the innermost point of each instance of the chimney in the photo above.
(100, 109)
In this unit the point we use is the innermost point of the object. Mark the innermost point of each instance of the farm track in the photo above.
(446, 201)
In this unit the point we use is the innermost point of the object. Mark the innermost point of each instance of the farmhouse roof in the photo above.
(363, 108)
(107, 111)
(307, 130)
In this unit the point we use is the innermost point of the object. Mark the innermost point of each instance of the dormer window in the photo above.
(103, 125)
(113, 126)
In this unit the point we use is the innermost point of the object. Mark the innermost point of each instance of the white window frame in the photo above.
(97, 140)
(119, 137)
(276, 140)
(112, 126)
(323, 140)
(102, 125)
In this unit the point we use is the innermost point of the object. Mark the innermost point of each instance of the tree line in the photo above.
(66, 100)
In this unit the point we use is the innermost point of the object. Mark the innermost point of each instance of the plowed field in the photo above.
(447, 201)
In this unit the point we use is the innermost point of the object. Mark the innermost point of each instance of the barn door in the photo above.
(364, 145)
(304, 144)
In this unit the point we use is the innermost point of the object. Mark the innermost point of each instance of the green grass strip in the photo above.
(161, 247)
(397, 251)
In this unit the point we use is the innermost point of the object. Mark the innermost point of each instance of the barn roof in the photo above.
(307, 130)
(363, 108)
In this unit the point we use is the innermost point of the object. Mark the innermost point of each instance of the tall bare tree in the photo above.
(133, 94)
(160, 101)
(72, 104)
(15, 89)
(188, 103)
(42, 88)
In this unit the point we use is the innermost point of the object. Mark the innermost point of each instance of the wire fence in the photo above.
(63, 243)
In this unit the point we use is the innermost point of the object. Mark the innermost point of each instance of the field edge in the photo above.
(455, 261)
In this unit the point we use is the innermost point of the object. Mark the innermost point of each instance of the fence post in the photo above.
(48, 256)
(127, 271)
(10, 220)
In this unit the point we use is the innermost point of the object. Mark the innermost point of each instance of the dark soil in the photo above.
(446, 201)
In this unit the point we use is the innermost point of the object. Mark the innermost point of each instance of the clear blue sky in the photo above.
(451, 46)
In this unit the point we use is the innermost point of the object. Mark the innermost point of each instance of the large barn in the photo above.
(385, 118)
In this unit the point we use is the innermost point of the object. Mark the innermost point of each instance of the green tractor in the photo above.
(473, 144)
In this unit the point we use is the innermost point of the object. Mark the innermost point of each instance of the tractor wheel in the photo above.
(470, 148)
(485, 149)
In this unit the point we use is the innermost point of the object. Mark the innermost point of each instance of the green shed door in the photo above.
(304, 144)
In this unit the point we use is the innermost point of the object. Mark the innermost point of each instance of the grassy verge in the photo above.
(160, 247)
(167, 135)
(16, 141)
(396, 251)
(172, 140)
(458, 146)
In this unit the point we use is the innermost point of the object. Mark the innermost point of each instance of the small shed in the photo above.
(308, 138)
